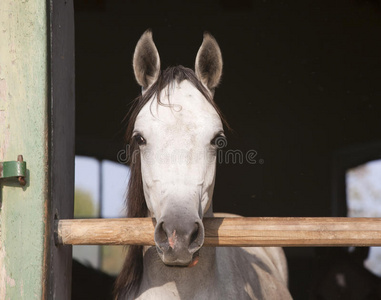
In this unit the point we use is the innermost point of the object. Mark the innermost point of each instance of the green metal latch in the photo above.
(14, 169)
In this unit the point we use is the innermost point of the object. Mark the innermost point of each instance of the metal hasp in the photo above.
(14, 169)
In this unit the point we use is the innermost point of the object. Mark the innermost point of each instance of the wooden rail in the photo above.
(238, 232)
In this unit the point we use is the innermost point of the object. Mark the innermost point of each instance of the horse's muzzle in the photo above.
(177, 240)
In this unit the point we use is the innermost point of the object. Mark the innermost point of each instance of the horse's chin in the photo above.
(194, 259)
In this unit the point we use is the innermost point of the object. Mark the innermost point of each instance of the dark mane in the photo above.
(130, 277)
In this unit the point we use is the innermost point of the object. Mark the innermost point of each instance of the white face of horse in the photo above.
(177, 157)
(178, 152)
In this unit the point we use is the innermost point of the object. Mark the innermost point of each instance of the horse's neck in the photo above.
(209, 212)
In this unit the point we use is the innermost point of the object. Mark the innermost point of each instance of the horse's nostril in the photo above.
(161, 237)
(163, 231)
(197, 237)
(194, 233)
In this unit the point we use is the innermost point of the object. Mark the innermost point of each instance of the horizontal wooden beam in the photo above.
(237, 232)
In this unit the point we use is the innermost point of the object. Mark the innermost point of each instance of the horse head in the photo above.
(176, 133)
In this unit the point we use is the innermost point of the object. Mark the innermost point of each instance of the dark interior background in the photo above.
(301, 87)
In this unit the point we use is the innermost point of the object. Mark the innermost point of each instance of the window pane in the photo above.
(100, 189)
(115, 178)
(86, 201)
(86, 204)
(113, 259)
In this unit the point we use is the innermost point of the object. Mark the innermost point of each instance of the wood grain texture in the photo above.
(23, 130)
(237, 232)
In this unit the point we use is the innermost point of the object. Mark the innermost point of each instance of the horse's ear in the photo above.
(208, 65)
(146, 61)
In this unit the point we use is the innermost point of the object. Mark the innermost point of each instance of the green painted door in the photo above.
(34, 35)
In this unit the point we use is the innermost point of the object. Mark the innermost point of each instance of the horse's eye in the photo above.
(219, 141)
(140, 140)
